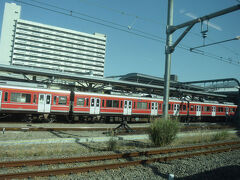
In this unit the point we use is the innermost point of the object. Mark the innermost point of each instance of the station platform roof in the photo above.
(133, 82)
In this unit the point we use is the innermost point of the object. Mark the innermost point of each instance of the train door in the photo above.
(176, 109)
(44, 103)
(127, 110)
(154, 110)
(95, 106)
(0, 99)
(214, 111)
(198, 110)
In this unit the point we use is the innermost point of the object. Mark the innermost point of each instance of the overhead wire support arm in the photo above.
(207, 17)
(170, 48)
(236, 38)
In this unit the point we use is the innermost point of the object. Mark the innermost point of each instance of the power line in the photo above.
(122, 12)
(155, 38)
(221, 45)
(109, 22)
(143, 34)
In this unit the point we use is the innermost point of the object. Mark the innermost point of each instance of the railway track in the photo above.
(136, 129)
(185, 152)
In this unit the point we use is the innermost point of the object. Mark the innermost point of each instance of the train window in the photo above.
(121, 104)
(98, 103)
(87, 102)
(6, 96)
(207, 109)
(20, 97)
(80, 101)
(112, 103)
(62, 100)
(92, 102)
(103, 102)
(149, 105)
(34, 98)
(41, 99)
(55, 100)
(109, 103)
(169, 106)
(192, 108)
(116, 103)
(220, 109)
(160, 106)
(134, 105)
(184, 107)
(48, 99)
(141, 105)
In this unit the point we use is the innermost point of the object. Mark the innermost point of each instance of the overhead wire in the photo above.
(155, 38)
(143, 34)
(122, 12)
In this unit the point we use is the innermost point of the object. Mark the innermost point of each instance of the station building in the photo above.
(31, 44)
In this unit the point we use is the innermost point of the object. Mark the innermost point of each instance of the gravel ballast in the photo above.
(220, 166)
(216, 166)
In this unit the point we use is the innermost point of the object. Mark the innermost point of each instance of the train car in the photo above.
(212, 111)
(104, 105)
(46, 104)
(34, 102)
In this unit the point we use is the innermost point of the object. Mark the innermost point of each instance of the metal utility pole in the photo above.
(168, 55)
(170, 48)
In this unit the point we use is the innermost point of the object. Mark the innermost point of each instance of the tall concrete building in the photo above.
(27, 43)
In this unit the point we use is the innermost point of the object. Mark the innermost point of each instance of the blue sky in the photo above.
(129, 53)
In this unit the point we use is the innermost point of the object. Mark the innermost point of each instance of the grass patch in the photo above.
(222, 135)
(20, 151)
(204, 138)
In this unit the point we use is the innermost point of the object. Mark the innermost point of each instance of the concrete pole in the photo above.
(168, 54)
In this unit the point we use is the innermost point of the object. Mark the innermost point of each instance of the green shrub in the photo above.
(112, 144)
(222, 135)
(163, 132)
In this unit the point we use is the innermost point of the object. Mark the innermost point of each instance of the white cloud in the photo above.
(212, 25)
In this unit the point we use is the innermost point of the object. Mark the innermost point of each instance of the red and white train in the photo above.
(40, 104)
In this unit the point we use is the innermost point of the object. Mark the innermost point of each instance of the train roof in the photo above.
(34, 89)
(146, 98)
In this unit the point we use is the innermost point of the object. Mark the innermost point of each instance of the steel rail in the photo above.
(95, 128)
(109, 157)
(108, 166)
